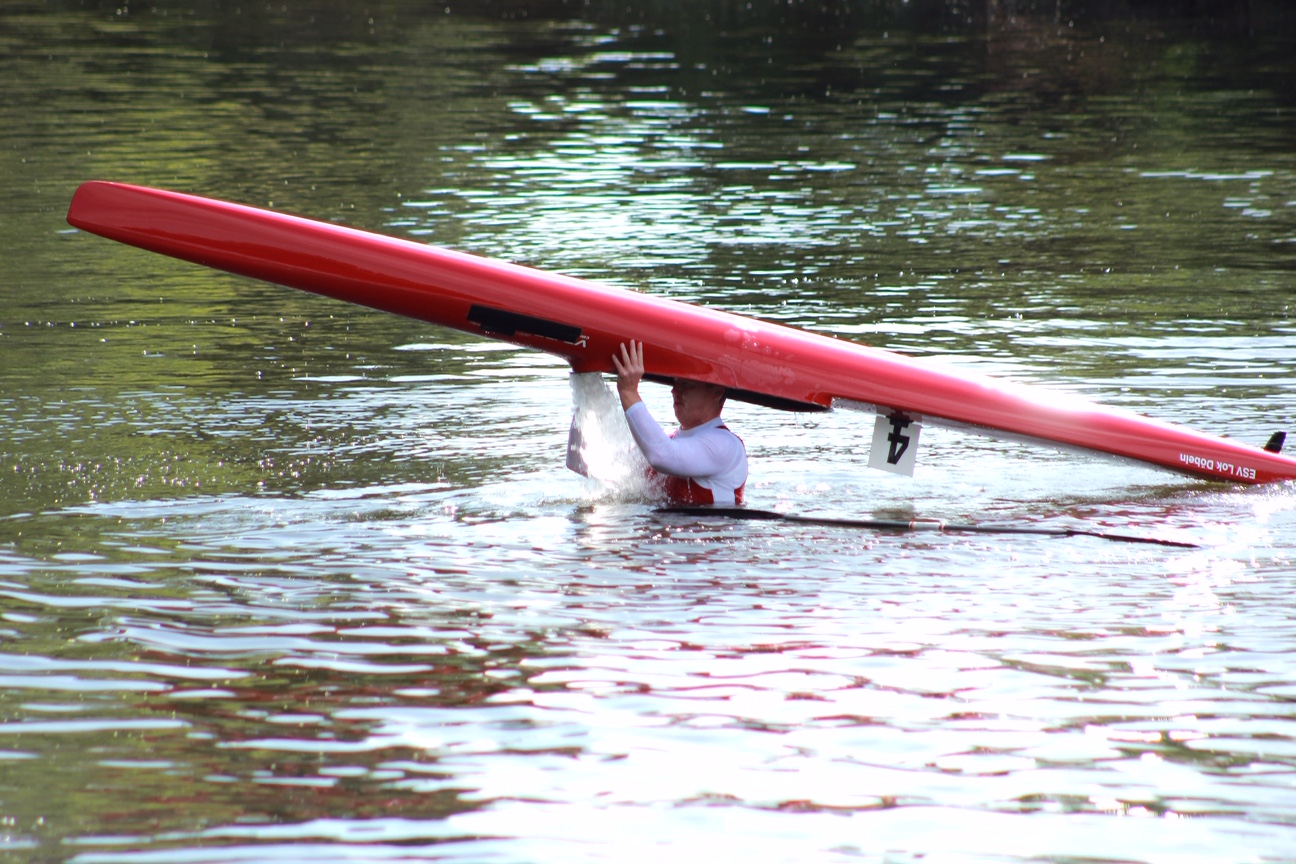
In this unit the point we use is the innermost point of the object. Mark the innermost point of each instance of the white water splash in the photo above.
(600, 446)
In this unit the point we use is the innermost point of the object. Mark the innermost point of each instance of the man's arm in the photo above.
(683, 457)
(693, 456)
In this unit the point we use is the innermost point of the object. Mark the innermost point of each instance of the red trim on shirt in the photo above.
(686, 490)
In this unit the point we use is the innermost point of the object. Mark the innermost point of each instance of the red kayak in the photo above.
(584, 322)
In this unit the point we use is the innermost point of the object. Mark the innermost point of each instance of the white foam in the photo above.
(600, 446)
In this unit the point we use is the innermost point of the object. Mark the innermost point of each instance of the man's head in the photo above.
(696, 402)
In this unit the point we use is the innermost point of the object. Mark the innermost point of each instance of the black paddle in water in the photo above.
(916, 525)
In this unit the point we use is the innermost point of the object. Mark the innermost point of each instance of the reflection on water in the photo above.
(393, 665)
(281, 578)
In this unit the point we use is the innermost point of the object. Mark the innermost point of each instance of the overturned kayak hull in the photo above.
(584, 322)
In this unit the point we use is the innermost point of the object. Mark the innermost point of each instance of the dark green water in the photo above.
(282, 578)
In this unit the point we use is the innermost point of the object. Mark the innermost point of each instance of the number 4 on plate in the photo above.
(895, 443)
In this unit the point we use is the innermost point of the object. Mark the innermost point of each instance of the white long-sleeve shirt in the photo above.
(709, 455)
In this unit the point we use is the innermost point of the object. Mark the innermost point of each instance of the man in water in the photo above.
(703, 462)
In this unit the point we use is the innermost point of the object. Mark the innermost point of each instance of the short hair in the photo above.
(721, 391)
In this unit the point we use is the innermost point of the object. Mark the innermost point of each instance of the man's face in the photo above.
(695, 402)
